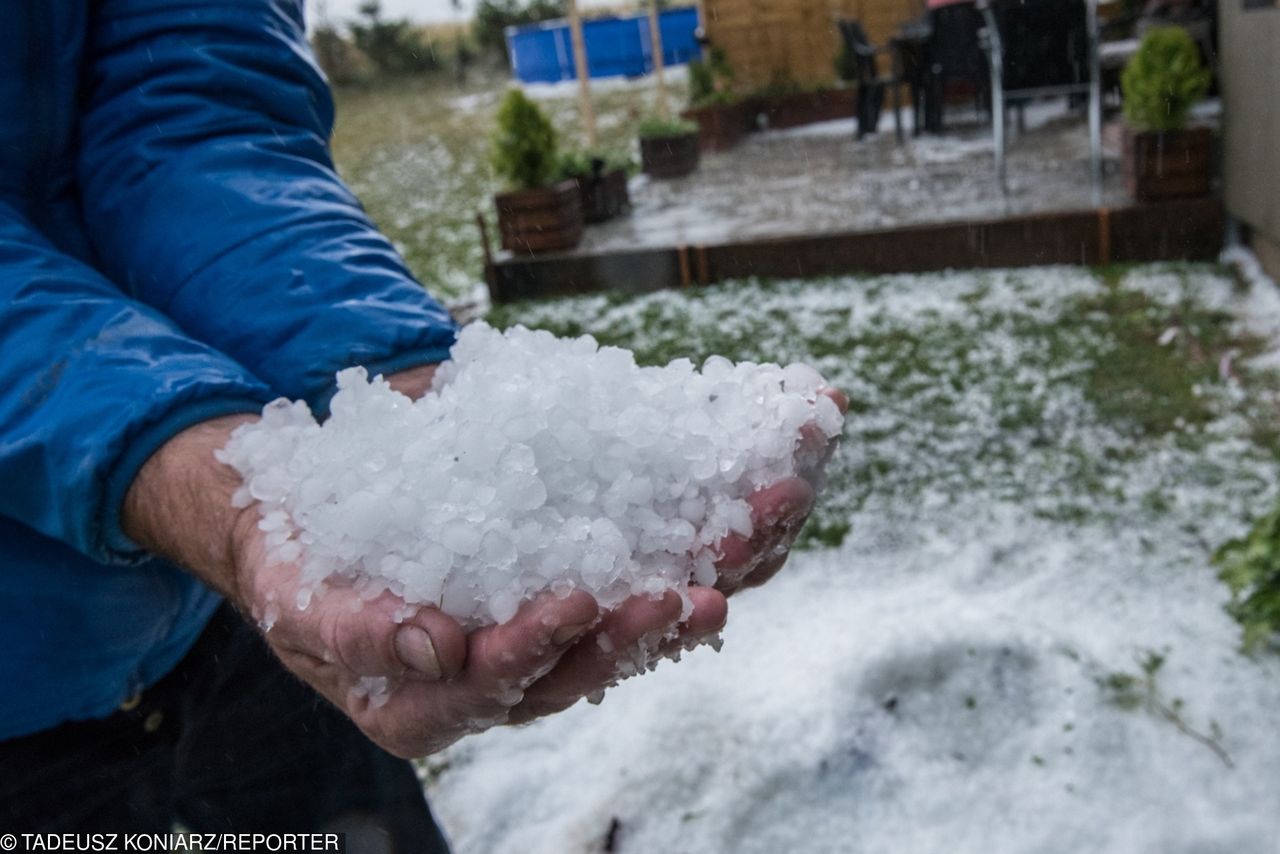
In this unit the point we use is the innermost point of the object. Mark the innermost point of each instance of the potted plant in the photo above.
(602, 182)
(668, 147)
(538, 214)
(721, 116)
(1162, 157)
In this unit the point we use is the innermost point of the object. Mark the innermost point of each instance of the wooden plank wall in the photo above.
(776, 42)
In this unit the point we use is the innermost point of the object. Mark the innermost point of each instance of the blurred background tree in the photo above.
(492, 17)
(395, 48)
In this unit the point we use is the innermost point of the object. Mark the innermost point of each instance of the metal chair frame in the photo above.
(871, 83)
(1092, 87)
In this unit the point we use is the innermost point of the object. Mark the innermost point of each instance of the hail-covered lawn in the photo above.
(1005, 633)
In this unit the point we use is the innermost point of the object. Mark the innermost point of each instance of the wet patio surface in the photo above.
(819, 178)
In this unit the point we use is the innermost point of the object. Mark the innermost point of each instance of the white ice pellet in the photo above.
(801, 379)
(375, 688)
(537, 464)
(828, 414)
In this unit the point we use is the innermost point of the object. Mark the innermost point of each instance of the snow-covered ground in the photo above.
(1020, 645)
(819, 178)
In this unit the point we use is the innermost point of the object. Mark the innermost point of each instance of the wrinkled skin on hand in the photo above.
(446, 683)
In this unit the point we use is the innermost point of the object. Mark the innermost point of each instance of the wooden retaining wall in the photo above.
(1183, 230)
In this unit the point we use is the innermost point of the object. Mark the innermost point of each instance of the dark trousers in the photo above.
(227, 742)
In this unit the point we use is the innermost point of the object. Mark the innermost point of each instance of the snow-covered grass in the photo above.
(1054, 387)
(1005, 635)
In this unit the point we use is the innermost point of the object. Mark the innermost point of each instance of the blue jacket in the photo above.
(174, 245)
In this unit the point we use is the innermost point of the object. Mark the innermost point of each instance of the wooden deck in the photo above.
(1189, 229)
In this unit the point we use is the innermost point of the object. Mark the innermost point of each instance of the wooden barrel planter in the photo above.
(1168, 164)
(604, 196)
(543, 219)
(721, 126)
(669, 156)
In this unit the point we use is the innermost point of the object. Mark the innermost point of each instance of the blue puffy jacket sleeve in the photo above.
(210, 194)
(93, 383)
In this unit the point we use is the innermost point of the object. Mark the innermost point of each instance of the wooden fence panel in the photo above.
(769, 42)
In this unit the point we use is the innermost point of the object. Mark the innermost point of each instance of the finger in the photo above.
(413, 382)
(736, 554)
(710, 612)
(777, 511)
(431, 641)
(593, 664)
(776, 504)
(839, 398)
(813, 452)
(419, 718)
(767, 569)
(771, 558)
(375, 638)
(815, 447)
(523, 648)
(813, 443)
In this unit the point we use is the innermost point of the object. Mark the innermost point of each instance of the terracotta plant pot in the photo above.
(604, 195)
(721, 126)
(543, 219)
(669, 156)
(1168, 164)
(793, 109)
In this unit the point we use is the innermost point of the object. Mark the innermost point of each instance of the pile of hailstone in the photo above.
(538, 463)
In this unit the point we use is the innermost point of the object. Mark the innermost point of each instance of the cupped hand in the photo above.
(778, 512)
(415, 682)
(442, 683)
(642, 630)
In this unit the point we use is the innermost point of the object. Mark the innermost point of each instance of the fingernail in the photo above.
(564, 634)
(416, 651)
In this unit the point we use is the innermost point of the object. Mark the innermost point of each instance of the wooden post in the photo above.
(580, 67)
(659, 66)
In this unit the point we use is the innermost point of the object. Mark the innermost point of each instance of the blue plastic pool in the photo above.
(616, 47)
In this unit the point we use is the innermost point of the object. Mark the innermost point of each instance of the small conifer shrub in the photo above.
(524, 146)
(1163, 80)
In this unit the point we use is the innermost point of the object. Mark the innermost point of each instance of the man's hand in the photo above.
(444, 683)
(778, 512)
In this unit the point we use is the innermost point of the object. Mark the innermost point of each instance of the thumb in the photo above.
(374, 639)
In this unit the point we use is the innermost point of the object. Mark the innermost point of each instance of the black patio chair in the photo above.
(909, 45)
(872, 83)
(1042, 48)
(953, 53)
